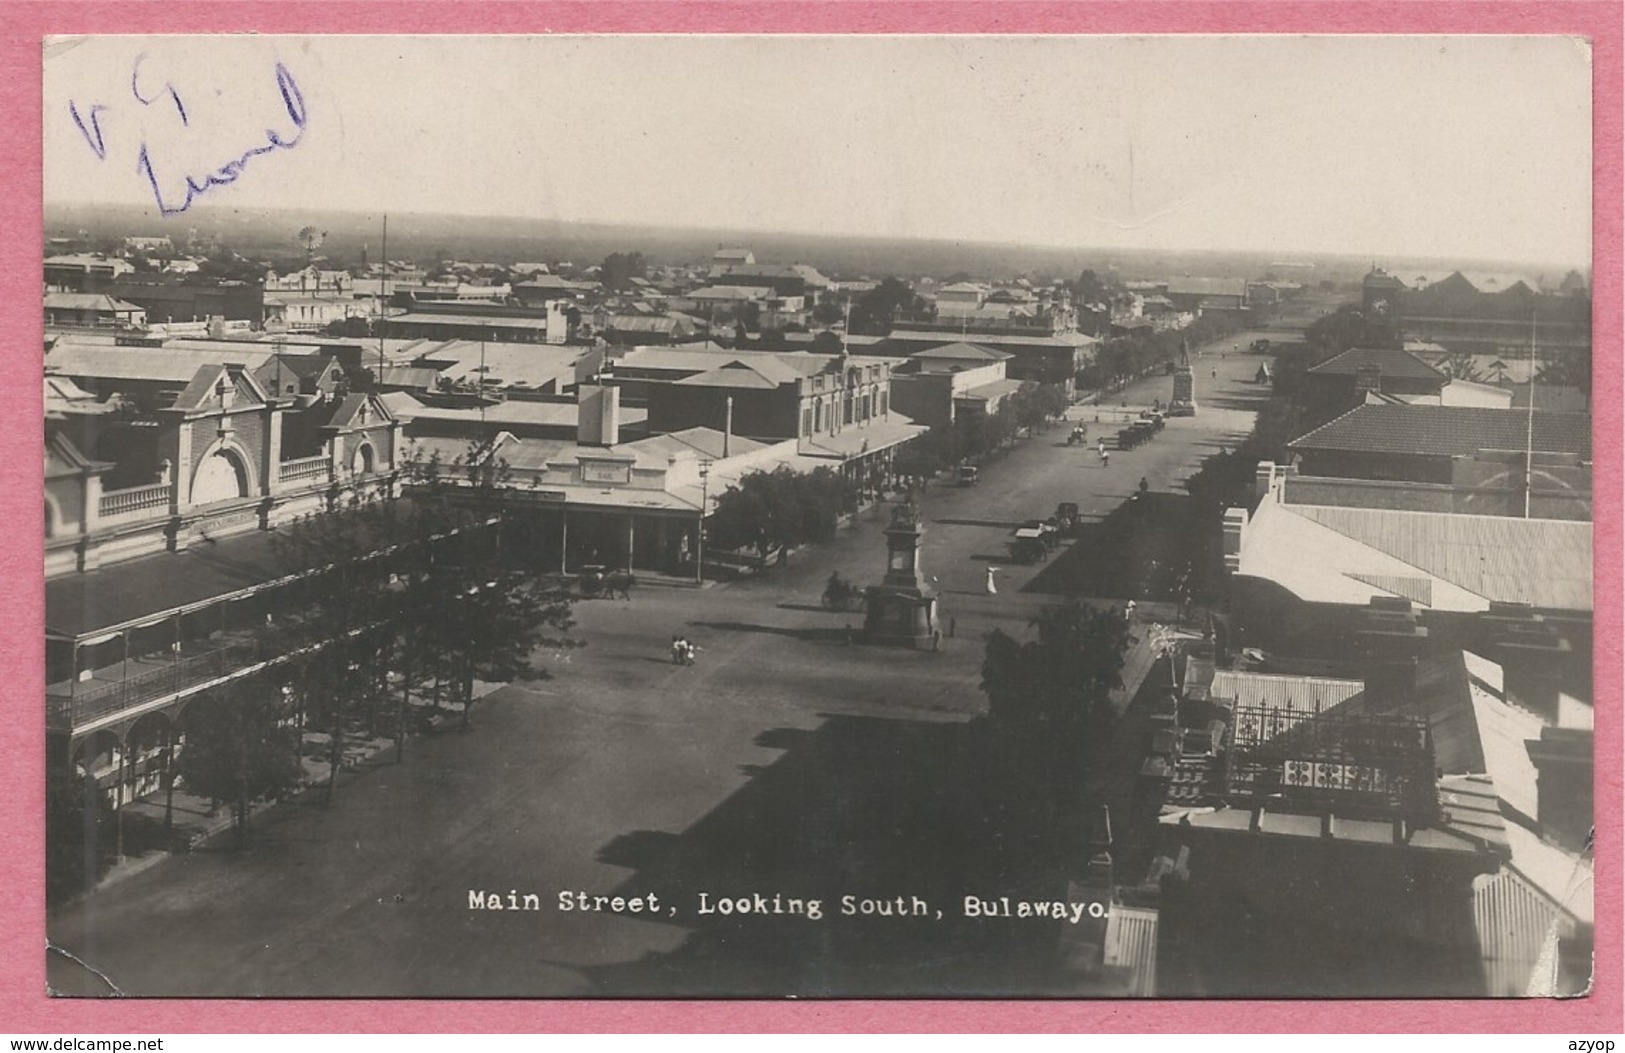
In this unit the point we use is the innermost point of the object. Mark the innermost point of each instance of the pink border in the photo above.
(22, 984)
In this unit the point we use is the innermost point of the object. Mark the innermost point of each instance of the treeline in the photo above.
(972, 435)
(1121, 359)
(1294, 408)
(781, 509)
(390, 613)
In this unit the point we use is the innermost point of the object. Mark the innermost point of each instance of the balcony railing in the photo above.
(304, 468)
(136, 499)
(94, 699)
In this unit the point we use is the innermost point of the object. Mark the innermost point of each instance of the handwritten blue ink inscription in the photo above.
(156, 171)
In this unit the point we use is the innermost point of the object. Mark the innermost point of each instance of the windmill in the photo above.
(311, 239)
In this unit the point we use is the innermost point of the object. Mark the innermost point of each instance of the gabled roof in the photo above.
(62, 457)
(64, 396)
(965, 351)
(72, 301)
(202, 394)
(759, 376)
(1448, 431)
(360, 411)
(706, 442)
(1391, 363)
(152, 364)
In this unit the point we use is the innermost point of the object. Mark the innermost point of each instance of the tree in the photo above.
(1049, 709)
(475, 566)
(827, 311)
(242, 745)
(618, 270)
(925, 456)
(1089, 288)
(1035, 404)
(76, 812)
(781, 508)
(876, 310)
(1350, 326)
(1461, 365)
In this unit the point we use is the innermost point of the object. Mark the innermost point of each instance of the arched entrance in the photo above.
(220, 477)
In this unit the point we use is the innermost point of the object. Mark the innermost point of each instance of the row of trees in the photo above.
(397, 608)
(781, 509)
(1122, 358)
(1033, 407)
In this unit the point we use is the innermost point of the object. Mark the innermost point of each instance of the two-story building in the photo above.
(939, 385)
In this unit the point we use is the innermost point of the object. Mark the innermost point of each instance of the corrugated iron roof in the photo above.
(1392, 364)
(1448, 431)
(1543, 562)
(1307, 695)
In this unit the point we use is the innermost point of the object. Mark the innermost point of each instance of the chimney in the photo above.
(1391, 642)
(1563, 794)
(728, 426)
(1263, 475)
(558, 323)
(598, 415)
(1367, 379)
(1235, 534)
(1531, 654)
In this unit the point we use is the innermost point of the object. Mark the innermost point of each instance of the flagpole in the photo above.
(1529, 430)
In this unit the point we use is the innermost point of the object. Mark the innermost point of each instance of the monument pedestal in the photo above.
(902, 610)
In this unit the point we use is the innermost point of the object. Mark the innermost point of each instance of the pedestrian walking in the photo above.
(1128, 611)
(678, 649)
(1105, 459)
(992, 590)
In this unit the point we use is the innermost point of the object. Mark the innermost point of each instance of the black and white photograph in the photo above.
(824, 517)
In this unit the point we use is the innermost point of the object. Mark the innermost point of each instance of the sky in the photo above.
(1478, 147)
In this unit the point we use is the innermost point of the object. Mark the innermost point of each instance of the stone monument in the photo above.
(902, 609)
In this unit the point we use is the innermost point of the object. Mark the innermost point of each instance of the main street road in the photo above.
(786, 760)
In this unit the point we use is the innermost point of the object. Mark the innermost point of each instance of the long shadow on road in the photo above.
(1141, 550)
(881, 811)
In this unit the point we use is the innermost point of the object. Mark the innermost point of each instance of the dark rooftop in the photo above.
(1392, 363)
(1448, 431)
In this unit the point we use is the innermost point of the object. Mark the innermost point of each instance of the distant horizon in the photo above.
(741, 237)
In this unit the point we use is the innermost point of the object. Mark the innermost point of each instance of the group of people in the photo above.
(682, 650)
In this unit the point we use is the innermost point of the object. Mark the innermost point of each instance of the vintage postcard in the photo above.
(702, 516)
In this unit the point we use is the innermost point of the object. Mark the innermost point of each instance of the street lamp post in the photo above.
(699, 538)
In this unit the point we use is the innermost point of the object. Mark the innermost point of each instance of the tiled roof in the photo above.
(1448, 431)
(1391, 363)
